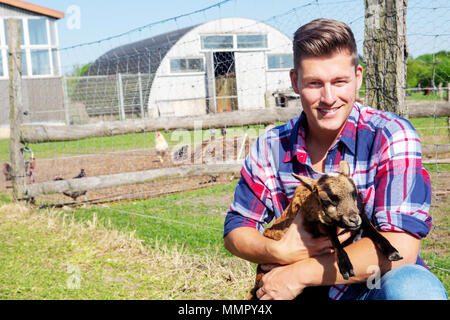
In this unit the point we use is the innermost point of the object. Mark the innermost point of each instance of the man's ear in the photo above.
(359, 77)
(294, 80)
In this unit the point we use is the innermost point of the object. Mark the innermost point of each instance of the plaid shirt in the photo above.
(385, 158)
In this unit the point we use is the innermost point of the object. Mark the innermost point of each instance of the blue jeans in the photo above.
(408, 282)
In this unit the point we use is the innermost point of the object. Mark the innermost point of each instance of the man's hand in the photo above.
(297, 244)
(281, 283)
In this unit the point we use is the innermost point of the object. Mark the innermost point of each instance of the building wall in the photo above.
(187, 94)
(42, 98)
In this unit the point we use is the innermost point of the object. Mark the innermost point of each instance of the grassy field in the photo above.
(43, 252)
(49, 255)
(169, 247)
(192, 219)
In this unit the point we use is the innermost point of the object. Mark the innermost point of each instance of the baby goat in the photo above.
(327, 203)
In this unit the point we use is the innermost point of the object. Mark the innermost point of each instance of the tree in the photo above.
(429, 70)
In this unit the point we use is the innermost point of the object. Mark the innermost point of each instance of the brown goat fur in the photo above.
(327, 203)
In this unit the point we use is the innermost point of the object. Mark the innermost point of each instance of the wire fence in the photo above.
(188, 66)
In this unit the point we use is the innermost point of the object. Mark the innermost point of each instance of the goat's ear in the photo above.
(306, 181)
(344, 168)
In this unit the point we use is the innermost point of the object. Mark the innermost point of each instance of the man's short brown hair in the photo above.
(322, 37)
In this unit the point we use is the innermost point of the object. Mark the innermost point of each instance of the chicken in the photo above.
(161, 146)
(181, 154)
(7, 171)
(73, 195)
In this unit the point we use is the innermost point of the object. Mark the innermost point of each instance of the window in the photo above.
(186, 65)
(39, 45)
(2, 47)
(55, 60)
(2, 74)
(217, 42)
(38, 31)
(53, 33)
(24, 63)
(40, 62)
(252, 41)
(280, 61)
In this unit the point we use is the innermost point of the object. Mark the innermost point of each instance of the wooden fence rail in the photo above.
(128, 178)
(47, 133)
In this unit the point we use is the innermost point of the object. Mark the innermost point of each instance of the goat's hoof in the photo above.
(352, 273)
(346, 275)
(394, 256)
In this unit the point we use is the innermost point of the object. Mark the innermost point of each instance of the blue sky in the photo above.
(99, 19)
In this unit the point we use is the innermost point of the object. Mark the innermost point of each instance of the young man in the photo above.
(384, 154)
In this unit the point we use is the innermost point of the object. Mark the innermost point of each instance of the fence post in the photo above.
(141, 100)
(448, 91)
(15, 108)
(120, 90)
(385, 54)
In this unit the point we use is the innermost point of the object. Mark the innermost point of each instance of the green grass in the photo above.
(189, 218)
(44, 257)
(432, 130)
(47, 255)
(420, 96)
(445, 167)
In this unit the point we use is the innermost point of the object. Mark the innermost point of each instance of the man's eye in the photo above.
(340, 82)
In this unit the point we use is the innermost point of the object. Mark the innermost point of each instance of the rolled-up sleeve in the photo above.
(252, 204)
(402, 185)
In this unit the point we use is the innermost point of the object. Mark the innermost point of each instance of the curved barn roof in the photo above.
(143, 56)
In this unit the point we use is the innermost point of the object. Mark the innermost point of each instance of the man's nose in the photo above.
(328, 97)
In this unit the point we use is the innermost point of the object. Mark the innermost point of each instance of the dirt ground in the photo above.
(210, 151)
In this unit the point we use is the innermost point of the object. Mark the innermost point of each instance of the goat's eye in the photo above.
(327, 203)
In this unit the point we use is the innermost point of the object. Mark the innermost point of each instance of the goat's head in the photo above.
(337, 195)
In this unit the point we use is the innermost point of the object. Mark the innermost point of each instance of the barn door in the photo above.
(225, 81)
(251, 88)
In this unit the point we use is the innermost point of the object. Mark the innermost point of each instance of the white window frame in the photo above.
(235, 46)
(202, 58)
(27, 47)
(276, 54)
(253, 34)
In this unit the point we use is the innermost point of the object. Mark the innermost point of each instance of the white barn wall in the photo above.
(186, 94)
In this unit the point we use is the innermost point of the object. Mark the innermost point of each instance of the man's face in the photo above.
(327, 86)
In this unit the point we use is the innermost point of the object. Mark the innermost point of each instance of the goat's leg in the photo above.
(259, 274)
(343, 261)
(381, 242)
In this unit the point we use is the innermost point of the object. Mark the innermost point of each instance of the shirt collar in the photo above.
(297, 145)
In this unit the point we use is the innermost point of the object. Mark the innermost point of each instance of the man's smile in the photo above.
(327, 112)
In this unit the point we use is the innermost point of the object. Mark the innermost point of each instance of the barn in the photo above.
(41, 70)
(218, 66)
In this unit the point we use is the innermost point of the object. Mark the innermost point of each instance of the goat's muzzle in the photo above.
(351, 222)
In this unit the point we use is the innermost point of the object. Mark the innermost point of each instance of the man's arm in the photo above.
(296, 244)
(287, 282)
(247, 243)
